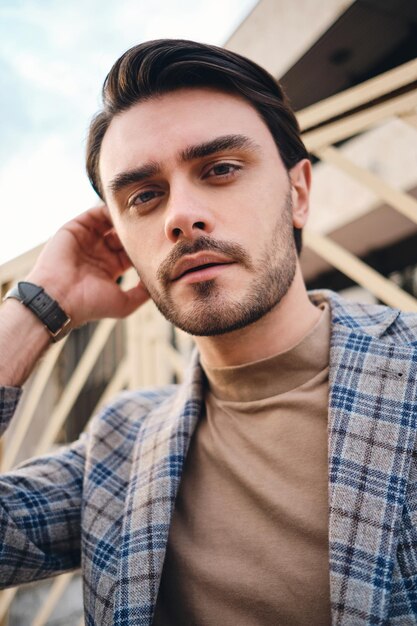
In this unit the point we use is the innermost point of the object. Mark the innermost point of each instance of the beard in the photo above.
(213, 311)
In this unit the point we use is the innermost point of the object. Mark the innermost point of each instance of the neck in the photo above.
(277, 331)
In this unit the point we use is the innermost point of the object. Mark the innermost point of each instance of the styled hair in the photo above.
(157, 67)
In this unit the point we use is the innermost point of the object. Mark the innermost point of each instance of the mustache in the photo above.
(203, 244)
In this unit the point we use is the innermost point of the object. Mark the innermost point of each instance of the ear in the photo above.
(300, 177)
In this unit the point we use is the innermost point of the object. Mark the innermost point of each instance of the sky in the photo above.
(54, 56)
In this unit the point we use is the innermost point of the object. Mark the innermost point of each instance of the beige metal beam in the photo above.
(19, 266)
(360, 272)
(32, 399)
(6, 598)
(74, 385)
(401, 201)
(358, 95)
(410, 119)
(175, 359)
(116, 384)
(58, 587)
(358, 122)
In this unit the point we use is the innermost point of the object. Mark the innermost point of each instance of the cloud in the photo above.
(53, 59)
(41, 188)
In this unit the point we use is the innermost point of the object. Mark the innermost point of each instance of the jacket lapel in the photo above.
(372, 429)
(156, 471)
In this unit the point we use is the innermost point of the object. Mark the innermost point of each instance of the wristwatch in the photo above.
(43, 306)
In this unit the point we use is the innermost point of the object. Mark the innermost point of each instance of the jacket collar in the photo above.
(370, 319)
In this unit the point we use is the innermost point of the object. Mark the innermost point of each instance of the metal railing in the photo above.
(154, 353)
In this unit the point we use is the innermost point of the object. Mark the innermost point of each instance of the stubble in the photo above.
(213, 311)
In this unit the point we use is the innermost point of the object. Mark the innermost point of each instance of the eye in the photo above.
(144, 197)
(222, 170)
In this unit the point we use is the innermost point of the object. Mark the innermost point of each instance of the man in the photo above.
(207, 503)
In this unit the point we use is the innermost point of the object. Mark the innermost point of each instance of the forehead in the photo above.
(158, 129)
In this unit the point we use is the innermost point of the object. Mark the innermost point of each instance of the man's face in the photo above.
(202, 203)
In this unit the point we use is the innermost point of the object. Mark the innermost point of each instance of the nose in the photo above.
(187, 215)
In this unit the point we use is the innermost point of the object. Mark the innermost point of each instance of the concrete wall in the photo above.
(277, 32)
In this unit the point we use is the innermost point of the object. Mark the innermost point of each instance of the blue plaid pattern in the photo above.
(105, 502)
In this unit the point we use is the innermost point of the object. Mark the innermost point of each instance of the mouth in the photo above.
(199, 267)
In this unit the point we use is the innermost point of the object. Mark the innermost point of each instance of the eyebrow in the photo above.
(226, 142)
(133, 176)
(191, 153)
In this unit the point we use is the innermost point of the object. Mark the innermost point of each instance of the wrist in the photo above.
(23, 339)
(45, 308)
(51, 286)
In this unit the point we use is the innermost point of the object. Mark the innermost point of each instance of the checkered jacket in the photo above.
(106, 501)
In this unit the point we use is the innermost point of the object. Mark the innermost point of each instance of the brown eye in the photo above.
(223, 170)
(145, 196)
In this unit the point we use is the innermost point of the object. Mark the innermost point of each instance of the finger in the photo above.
(124, 261)
(112, 241)
(101, 215)
(96, 219)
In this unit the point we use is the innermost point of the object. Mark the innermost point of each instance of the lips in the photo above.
(196, 263)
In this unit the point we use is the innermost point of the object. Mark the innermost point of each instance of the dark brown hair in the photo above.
(157, 67)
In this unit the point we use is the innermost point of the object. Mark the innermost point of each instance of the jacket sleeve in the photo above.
(40, 509)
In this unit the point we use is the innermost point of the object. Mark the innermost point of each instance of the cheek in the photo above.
(139, 240)
(144, 260)
(128, 244)
(134, 246)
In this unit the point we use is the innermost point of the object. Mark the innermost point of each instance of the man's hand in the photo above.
(79, 267)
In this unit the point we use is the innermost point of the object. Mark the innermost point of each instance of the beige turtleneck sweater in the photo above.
(248, 544)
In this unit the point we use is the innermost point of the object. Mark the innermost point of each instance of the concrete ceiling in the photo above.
(325, 46)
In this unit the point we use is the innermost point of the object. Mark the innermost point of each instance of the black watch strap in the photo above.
(43, 306)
